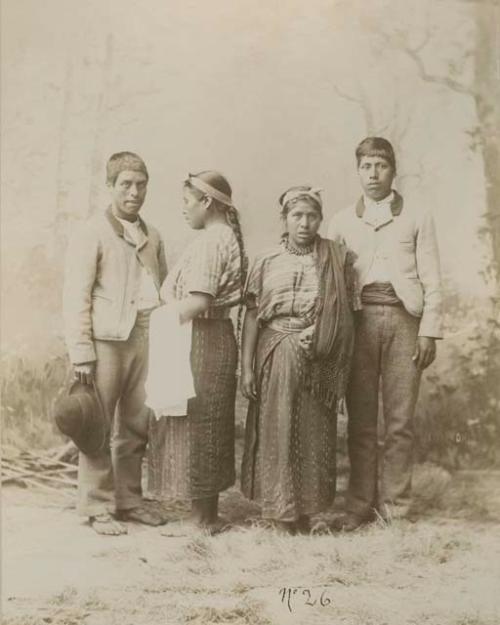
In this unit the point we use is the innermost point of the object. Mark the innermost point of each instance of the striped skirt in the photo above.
(192, 457)
(290, 438)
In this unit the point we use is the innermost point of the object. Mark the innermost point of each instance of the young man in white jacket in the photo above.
(115, 266)
(397, 303)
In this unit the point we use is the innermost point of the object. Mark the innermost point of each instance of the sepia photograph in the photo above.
(250, 312)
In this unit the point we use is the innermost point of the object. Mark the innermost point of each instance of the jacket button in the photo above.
(132, 301)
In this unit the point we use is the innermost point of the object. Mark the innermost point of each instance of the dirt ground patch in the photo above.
(444, 569)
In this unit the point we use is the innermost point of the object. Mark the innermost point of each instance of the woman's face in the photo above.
(302, 223)
(194, 209)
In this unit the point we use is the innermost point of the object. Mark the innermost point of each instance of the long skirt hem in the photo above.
(290, 438)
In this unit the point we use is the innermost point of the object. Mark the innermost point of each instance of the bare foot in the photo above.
(105, 525)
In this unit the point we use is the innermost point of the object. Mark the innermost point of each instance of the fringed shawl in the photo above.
(334, 330)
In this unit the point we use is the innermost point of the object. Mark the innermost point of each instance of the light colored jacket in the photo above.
(102, 282)
(409, 240)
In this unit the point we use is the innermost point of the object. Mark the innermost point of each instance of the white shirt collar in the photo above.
(387, 201)
(378, 213)
(133, 232)
(126, 223)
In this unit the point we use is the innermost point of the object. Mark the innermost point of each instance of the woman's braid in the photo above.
(233, 220)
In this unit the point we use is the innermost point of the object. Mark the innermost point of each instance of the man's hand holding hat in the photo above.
(84, 372)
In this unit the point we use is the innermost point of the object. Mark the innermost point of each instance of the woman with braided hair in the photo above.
(193, 456)
(297, 344)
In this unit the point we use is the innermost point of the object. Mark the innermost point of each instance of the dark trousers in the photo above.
(112, 479)
(385, 343)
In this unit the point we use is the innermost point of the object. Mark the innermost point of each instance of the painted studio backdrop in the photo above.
(272, 94)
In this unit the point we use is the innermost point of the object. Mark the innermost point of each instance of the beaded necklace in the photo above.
(298, 251)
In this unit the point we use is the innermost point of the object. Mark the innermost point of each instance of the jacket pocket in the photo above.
(407, 242)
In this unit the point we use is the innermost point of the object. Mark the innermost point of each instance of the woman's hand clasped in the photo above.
(306, 340)
(248, 385)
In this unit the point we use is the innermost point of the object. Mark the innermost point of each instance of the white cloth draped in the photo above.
(169, 384)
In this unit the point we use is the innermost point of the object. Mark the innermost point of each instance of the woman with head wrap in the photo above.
(297, 344)
(193, 456)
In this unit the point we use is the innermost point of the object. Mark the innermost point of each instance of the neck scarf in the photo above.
(132, 232)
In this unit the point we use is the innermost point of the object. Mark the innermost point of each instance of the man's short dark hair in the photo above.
(376, 146)
(124, 161)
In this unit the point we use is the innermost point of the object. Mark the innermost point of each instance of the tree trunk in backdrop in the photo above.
(487, 100)
(96, 162)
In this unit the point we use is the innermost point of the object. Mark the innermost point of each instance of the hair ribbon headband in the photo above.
(207, 189)
(294, 194)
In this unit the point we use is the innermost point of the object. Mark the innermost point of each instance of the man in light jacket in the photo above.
(397, 299)
(114, 270)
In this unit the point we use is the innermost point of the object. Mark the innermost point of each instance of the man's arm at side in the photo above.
(429, 273)
(80, 274)
(428, 268)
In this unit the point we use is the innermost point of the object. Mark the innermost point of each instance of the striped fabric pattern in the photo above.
(290, 438)
(193, 456)
(281, 284)
(210, 264)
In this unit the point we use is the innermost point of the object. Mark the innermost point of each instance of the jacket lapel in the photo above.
(145, 253)
(396, 204)
(148, 258)
(396, 208)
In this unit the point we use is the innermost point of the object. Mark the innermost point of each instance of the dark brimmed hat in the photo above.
(80, 416)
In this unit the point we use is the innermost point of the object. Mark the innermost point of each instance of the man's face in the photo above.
(128, 193)
(376, 175)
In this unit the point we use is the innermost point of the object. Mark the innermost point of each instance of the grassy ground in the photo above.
(442, 570)
(29, 391)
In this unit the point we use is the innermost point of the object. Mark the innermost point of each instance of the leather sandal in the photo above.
(105, 525)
